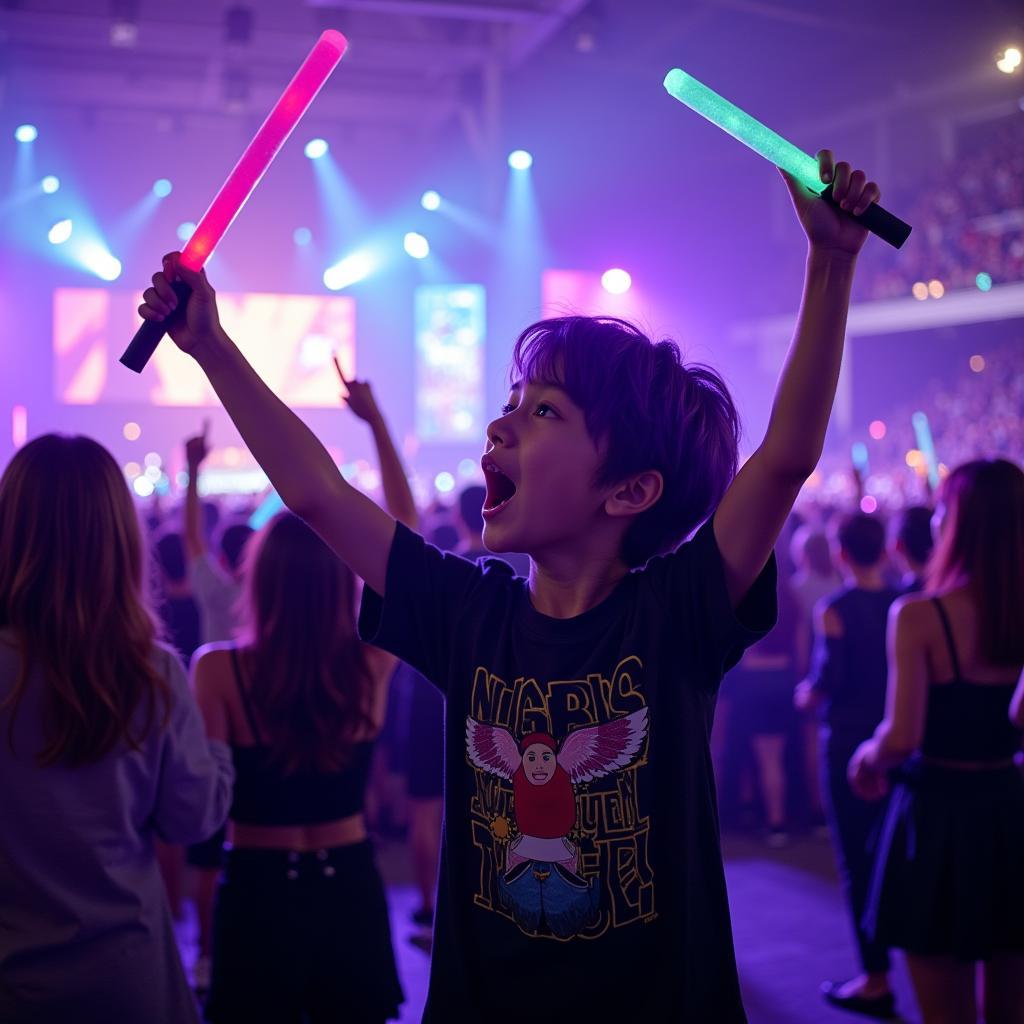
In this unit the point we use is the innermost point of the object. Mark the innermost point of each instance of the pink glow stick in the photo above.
(295, 100)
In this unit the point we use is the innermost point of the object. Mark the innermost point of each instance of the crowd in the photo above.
(580, 872)
(970, 220)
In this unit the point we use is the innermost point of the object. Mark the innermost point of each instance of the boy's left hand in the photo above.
(828, 229)
(361, 401)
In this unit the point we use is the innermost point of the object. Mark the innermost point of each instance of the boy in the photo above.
(581, 876)
(847, 684)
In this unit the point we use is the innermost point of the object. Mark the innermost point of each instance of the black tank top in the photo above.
(968, 721)
(265, 796)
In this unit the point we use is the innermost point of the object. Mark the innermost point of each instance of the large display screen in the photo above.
(450, 334)
(289, 340)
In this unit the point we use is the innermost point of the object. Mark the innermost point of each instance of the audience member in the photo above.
(102, 750)
(947, 885)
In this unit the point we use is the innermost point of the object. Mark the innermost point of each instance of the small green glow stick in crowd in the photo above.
(926, 446)
(773, 147)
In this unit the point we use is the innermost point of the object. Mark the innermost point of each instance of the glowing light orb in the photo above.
(349, 270)
(977, 363)
(868, 504)
(936, 289)
(132, 431)
(153, 459)
(616, 281)
(50, 184)
(416, 245)
(143, 487)
(132, 470)
(520, 160)
(98, 261)
(430, 200)
(316, 148)
(914, 458)
(468, 467)
(444, 482)
(877, 430)
(302, 236)
(186, 229)
(984, 282)
(26, 133)
(161, 188)
(60, 232)
(920, 291)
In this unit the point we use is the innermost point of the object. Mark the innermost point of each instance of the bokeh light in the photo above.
(444, 482)
(616, 281)
(316, 148)
(936, 289)
(868, 504)
(143, 487)
(60, 232)
(920, 290)
(185, 230)
(50, 184)
(877, 430)
(132, 470)
(302, 236)
(416, 245)
(520, 160)
(984, 282)
(977, 363)
(132, 431)
(430, 200)
(914, 458)
(162, 187)
(26, 133)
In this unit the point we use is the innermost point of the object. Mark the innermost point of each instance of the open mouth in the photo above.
(500, 489)
(539, 776)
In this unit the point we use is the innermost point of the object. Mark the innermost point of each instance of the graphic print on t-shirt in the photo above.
(560, 857)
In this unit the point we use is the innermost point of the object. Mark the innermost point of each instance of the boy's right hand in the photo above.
(201, 323)
(197, 448)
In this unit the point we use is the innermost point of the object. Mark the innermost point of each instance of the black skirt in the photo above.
(302, 933)
(948, 876)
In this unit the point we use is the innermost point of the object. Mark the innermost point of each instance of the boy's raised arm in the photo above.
(752, 512)
(295, 461)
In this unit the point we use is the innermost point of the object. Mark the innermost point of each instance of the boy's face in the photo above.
(538, 763)
(541, 446)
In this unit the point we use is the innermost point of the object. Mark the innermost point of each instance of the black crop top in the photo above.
(968, 721)
(264, 796)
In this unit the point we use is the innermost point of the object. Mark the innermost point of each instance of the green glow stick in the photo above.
(773, 147)
(926, 446)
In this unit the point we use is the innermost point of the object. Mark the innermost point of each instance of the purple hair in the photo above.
(651, 412)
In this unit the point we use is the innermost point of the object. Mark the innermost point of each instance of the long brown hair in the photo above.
(982, 542)
(72, 590)
(310, 679)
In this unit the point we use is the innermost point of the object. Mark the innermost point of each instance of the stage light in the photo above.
(616, 281)
(348, 271)
(132, 470)
(984, 282)
(316, 148)
(977, 363)
(877, 430)
(468, 467)
(50, 184)
(936, 289)
(444, 482)
(1009, 60)
(60, 232)
(143, 487)
(914, 458)
(920, 290)
(153, 459)
(868, 504)
(186, 229)
(161, 188)
(416, 245)
(96, 259)
(26, 133)
(132, 431)
(520, 160)
(430, 200)
(302, 236)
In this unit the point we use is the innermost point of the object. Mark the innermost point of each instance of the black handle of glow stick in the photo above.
(878, 220)
(148, 336)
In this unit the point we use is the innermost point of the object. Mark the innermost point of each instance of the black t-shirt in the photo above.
(581, 875)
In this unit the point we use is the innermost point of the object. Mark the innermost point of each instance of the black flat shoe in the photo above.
(880, 1007)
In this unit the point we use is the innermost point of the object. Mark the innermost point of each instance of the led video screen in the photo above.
(289, 339)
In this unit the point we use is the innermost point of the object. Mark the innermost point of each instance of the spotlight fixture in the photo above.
(520, 160)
